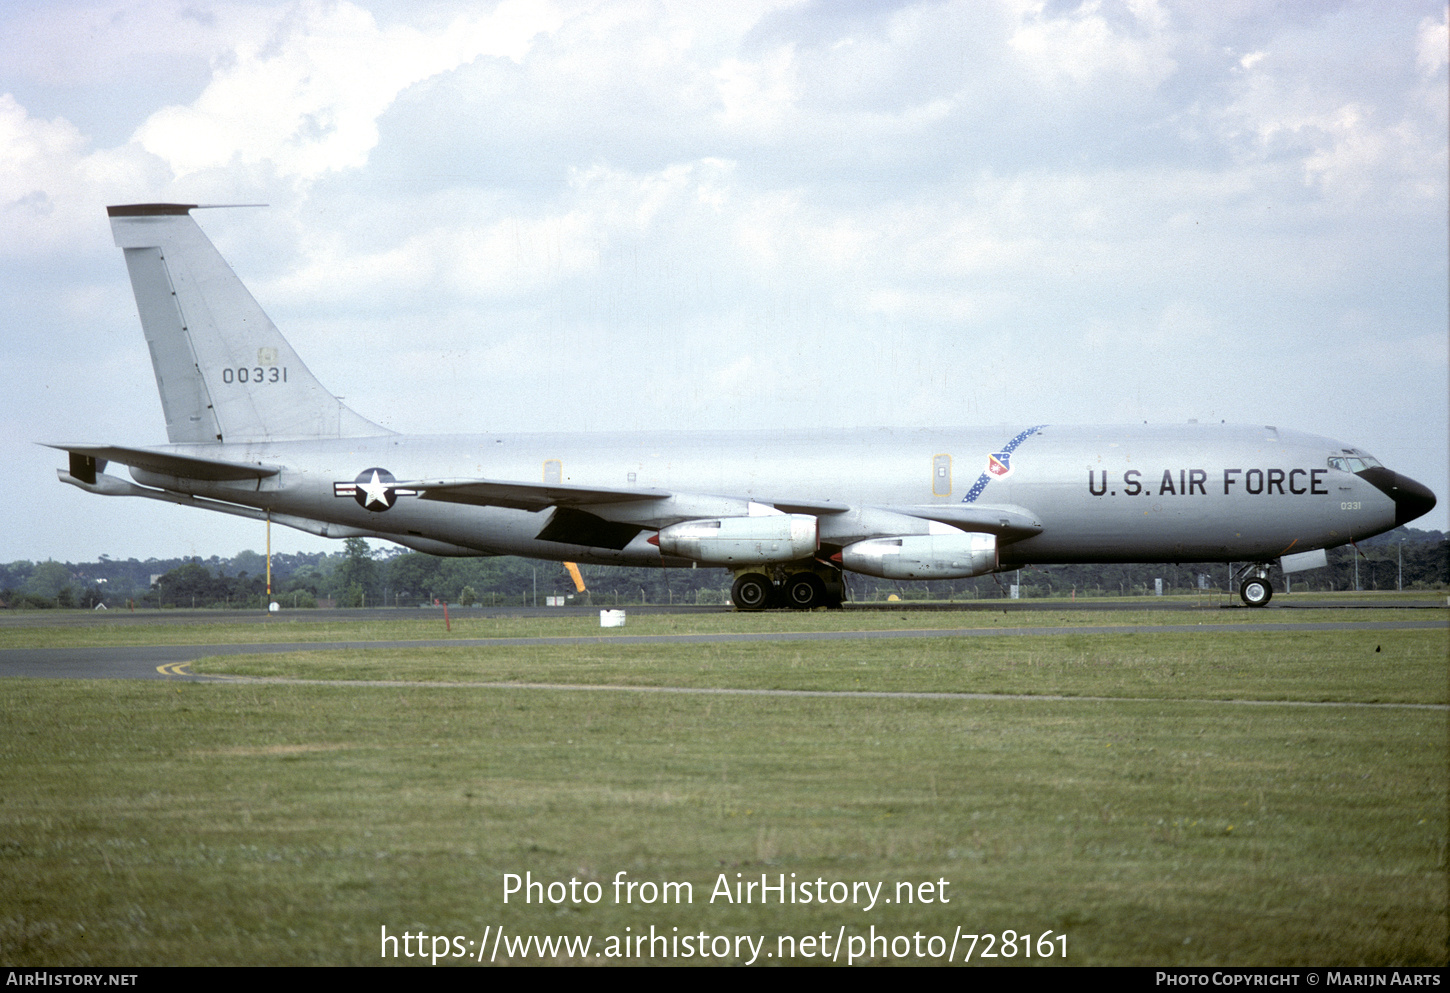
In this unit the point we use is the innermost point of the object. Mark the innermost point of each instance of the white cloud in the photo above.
(465, 249)
(1353, 140)
(75, 44)
(938, 306)
(304, 91)
(1083, 47)
(1433, 44)
(30, 148)
(757, 95)
(492, 259)
(52, 184)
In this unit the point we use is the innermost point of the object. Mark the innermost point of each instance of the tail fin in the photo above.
(224, 371)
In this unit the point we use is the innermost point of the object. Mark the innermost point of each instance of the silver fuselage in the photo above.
(1118, 493)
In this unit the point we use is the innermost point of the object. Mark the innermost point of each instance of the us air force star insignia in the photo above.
(373, 490)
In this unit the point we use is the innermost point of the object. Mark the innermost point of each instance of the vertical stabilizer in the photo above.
(224, 371)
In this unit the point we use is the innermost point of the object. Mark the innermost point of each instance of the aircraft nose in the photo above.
(1412, 499)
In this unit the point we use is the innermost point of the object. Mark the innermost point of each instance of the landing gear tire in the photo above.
(752, 591)
(1256, 592)
(805, 591)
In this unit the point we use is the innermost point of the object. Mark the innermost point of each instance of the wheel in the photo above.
(805, 591)
(1256, 592)
(752, 591)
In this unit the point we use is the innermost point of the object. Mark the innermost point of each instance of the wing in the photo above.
(569, 524)
(1006, 521)
(524, 496)
(608, 517)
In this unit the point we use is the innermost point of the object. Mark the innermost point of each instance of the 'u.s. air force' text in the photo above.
(1192, 482)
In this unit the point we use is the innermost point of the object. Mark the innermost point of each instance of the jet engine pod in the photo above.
(955, 555)
(743, 540)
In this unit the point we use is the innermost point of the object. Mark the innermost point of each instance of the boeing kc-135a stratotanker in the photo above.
(253, 433)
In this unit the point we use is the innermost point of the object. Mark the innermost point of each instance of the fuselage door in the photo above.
(941, 475)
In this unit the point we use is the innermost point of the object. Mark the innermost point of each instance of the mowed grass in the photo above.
(1349, 666)
(413, 625)
(243, 823)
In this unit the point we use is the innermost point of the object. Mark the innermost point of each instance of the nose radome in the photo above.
(1412, 499)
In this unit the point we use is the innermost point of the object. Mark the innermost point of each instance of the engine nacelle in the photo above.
(953, 555)
(737, 541)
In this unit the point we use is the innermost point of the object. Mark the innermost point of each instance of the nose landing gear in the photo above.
(1254, 587)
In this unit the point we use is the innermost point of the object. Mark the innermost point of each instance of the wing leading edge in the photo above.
(525, 496)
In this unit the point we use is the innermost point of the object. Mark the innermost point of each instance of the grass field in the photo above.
(1165, 823)
(304, 626)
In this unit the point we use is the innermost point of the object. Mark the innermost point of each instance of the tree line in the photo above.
(360, 575)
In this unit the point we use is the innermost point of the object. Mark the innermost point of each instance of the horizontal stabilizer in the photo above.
(167, 463)
(105, 485)
(523, 496)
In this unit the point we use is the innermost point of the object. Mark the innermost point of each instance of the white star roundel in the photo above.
(374, 490)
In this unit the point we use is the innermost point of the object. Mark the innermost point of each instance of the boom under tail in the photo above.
(224, 371)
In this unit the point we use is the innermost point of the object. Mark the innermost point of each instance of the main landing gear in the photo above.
(801, 586)
(752, 591)
(1254, 587)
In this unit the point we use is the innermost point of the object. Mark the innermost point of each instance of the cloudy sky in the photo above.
(623, 215)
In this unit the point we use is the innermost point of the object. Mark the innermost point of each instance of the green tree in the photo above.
(414, 576)
(249, 561)
(47, 579)
(356, 578)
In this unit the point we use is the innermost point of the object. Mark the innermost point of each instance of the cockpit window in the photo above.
(1353, 463)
